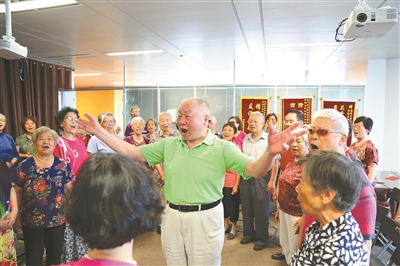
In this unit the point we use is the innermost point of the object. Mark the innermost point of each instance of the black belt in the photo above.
(194, 208)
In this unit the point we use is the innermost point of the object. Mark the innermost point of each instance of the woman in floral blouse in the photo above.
(364, 147)
(41, 183)
(289, 209)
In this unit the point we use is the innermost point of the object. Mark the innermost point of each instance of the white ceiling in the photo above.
(205, 42)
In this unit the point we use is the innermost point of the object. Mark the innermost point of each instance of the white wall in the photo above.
(391, 130)
(382, 100)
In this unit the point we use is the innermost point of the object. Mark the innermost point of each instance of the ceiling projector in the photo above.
(9, 49)
(370, 22)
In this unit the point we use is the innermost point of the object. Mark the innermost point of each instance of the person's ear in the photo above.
(327, 196)
(343, 139)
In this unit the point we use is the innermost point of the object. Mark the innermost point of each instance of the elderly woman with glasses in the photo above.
(72, 149)
(69, 147)
(41, 184)
(329, 189)
(107, 121)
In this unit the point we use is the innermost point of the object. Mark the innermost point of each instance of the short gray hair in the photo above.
(137, 118)
(214, 120)
(259, 114)
(41, 130)
(199, 102)
(101, 116)
(339, 121)
(329, 170)
(164, 113)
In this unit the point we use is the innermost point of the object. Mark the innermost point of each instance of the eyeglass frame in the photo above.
(322, 132)
(70, 118)
(109, 122)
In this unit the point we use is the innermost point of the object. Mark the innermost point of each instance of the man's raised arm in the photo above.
(92, 126)
(277, 143)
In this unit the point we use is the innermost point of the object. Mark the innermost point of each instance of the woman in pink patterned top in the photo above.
(122, 204)
(289, 209)
(69, 147)
(230, 191)
(72, 149)
(364, 147)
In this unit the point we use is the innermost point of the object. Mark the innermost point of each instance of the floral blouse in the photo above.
(367, 153)
(42, 192)
(337, 243)
(287, 195)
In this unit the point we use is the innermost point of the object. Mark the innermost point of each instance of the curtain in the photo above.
(30, 88)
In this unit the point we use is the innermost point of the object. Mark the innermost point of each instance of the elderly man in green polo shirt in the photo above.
(194, 167)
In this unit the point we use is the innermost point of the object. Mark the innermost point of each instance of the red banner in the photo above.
(346, 108)
(304, 105)
(249, 105)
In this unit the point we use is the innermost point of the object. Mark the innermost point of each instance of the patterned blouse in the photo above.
(367, 153)
(132, 141)
(42, 192)
(287, 197)
(25, 144)
(337, 243)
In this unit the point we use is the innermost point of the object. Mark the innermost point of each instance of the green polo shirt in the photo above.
(195, 176)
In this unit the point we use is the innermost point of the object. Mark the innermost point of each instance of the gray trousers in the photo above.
(255, 208)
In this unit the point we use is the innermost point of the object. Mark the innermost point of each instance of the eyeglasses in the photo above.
(322, 132)
(109, 121)
(70, 118)
(2, 120)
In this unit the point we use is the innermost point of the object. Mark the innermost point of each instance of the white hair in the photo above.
(339, 121)
(137, 118)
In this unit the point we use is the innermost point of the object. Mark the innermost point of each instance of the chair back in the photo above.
(394, 194)
(389, 228)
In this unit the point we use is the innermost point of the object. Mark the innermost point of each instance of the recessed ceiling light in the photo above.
(303, 44)
(37, 4)
(135, 52)
(87, 75)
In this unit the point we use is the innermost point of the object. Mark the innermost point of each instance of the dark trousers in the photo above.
(231, 204)
(35, 239)
(255, 209)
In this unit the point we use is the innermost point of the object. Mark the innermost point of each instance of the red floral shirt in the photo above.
(367, 153)
(287, 195)
(42, 192)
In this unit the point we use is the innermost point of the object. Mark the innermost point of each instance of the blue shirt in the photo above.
(8, 150)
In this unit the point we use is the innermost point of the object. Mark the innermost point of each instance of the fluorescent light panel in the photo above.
(136, 52)
(35, 4)
(303, 44)
(87, 75)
